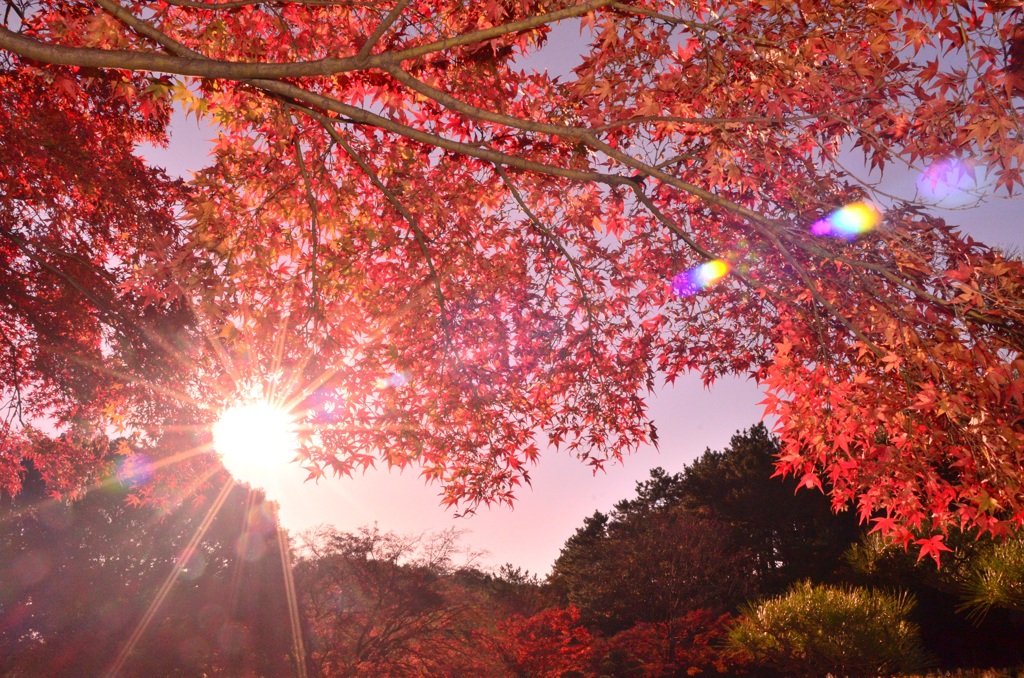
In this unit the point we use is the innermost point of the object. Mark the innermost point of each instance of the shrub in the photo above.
(689, 645)
(551, 644)
(996, 579)
(818, 630)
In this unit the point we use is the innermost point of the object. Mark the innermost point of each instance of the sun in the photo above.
(255, 440)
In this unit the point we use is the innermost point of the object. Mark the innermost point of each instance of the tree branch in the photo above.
(408, 216)
(193, 65)
(378, 33)
(314, 225)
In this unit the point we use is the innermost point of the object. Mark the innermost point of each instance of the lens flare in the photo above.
(855, 219)
(134, 470)
(691, 282)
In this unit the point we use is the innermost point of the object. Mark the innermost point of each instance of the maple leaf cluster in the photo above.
(444, 257)
(80, 217)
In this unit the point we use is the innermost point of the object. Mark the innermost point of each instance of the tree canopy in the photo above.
(444, 259)
(791, 535)
(720, 532)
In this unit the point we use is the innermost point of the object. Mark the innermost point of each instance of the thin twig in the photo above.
(314, 224)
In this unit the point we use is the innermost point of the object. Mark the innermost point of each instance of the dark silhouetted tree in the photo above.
(792, 533)
(650, 563)
(708, 537)
(76, 578)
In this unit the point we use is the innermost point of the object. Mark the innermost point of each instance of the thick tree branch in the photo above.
(237, 4)
(147, 31)
(586, 136)
(364, 117)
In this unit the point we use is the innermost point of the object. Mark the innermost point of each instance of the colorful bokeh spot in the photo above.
(691, 282)
(134, 470)
(855, 219)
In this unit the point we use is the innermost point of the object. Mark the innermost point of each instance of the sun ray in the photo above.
(188, 490)
(241, 547)
(326, 375)
(295, 621)
(110, 481)
(131, 379)
(309, 389)
(214, 341)
(179, 428)
(280, 335)
(181, 456)
(165, 588)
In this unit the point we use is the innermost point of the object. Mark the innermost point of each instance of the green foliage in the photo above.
(996, 579)
(650, 565)
(792, 533)
(884, 561)
(819, 630)
(711, 536)
(516, 590)
(985, 573)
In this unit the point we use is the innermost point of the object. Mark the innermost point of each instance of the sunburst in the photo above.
(255, 440)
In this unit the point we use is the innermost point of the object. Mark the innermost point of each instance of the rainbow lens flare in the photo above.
(855, 219)
(688, 283)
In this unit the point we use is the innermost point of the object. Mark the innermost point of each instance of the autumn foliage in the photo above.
(552, 642)
(80, 217)
(445, 257)
(555, 642)
(691, 645)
